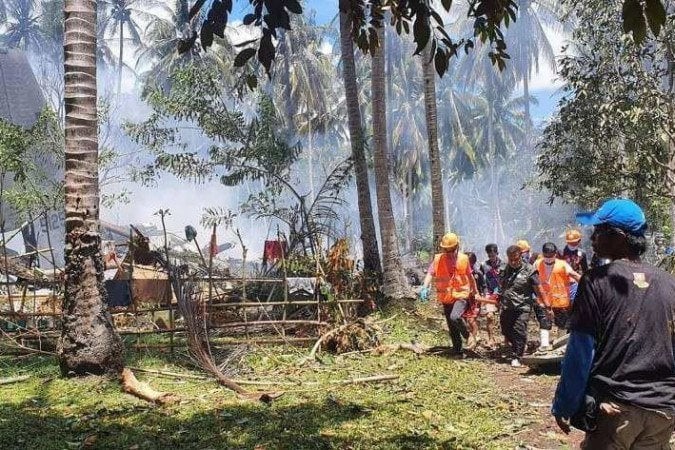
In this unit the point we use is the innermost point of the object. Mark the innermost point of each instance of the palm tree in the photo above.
(528, 42)
(89, 343)
(121, 15)
(371, 256)
(23, 28)
(431, 113)
(162, 36)
(303, 77)
(406, 125)
(394, 284)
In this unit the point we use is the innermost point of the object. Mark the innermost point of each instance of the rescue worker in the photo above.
(618, 374)
(574, 255)
(525, 250)
(542, 316)
(492, 269)
(554, 276)
(519, 283)
(454, 283)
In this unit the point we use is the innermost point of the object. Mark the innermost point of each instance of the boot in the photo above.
(544, 344)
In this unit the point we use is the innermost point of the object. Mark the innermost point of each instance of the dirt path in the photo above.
(532, 393)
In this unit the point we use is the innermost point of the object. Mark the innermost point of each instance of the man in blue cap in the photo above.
(618, 374)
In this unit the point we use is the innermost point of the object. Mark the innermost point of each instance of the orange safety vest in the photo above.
(452, 283)
(555, 286)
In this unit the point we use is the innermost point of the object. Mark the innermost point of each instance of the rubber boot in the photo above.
(544, 344)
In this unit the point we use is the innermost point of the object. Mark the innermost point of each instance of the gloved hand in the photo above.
(424, 294)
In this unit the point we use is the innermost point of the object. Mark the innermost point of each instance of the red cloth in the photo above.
(274, 250)
(472, 309)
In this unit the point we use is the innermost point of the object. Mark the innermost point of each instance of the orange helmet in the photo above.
(524, 245)
(450, 240)
(572, 236)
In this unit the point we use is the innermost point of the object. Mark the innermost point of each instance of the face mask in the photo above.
(549, 261)
(573, 247)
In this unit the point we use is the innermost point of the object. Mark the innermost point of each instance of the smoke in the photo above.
(482, 208)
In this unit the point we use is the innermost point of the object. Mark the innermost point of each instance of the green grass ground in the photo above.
(436, 402)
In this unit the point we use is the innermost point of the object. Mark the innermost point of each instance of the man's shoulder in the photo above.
(529, 268)
(629, 270)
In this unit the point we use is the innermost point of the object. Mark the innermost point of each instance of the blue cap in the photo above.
(617, 212)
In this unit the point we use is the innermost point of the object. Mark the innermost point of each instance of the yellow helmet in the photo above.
(524, 245)
(449, 240)
(572, 236)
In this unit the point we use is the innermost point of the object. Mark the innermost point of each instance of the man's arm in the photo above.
(571, 273)
(584, 263)
(536, 287)
(576, 369)
(472, 282)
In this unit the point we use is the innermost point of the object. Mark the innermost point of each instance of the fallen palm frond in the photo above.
(193, 309)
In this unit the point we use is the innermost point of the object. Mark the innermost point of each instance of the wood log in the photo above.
(132, 386)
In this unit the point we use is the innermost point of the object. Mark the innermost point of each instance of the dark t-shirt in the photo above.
(480, 279)
(518, 287)
(576, 259)
(630, 310)
(492, 272)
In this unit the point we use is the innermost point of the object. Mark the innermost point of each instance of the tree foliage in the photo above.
(423, 18)
(616, 118)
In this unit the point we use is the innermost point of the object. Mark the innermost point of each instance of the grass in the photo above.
(436, 402)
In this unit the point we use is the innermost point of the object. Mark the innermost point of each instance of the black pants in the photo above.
(514, 328)
(560, 317)
(542, 318)
(456, 325)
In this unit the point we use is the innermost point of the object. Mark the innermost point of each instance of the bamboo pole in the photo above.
(217, 306)
(163, 213)
(285, 285)
(131, 290)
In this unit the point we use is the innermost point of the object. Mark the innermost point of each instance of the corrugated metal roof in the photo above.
(21, 99)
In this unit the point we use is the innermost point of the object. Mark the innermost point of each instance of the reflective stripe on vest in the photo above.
(452, 283)
(555, 286)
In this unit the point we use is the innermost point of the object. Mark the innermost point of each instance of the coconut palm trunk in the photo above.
(394, 284)
(121, 61)
(437, 204)
(89, 343)
(371, 256)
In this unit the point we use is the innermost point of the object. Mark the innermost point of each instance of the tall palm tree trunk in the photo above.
(371, 256)
(437, 204)
(394, 284)
(89, 343)
(670, 174)
(121, 61)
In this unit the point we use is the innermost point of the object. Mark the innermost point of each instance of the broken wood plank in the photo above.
(12, 380)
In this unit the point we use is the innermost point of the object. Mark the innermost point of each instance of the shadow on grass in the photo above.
(53, 414)
(34, 425)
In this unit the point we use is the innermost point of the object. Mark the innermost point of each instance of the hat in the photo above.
(524, 245)
(449, 240)
(617, 212)
(572, 236)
